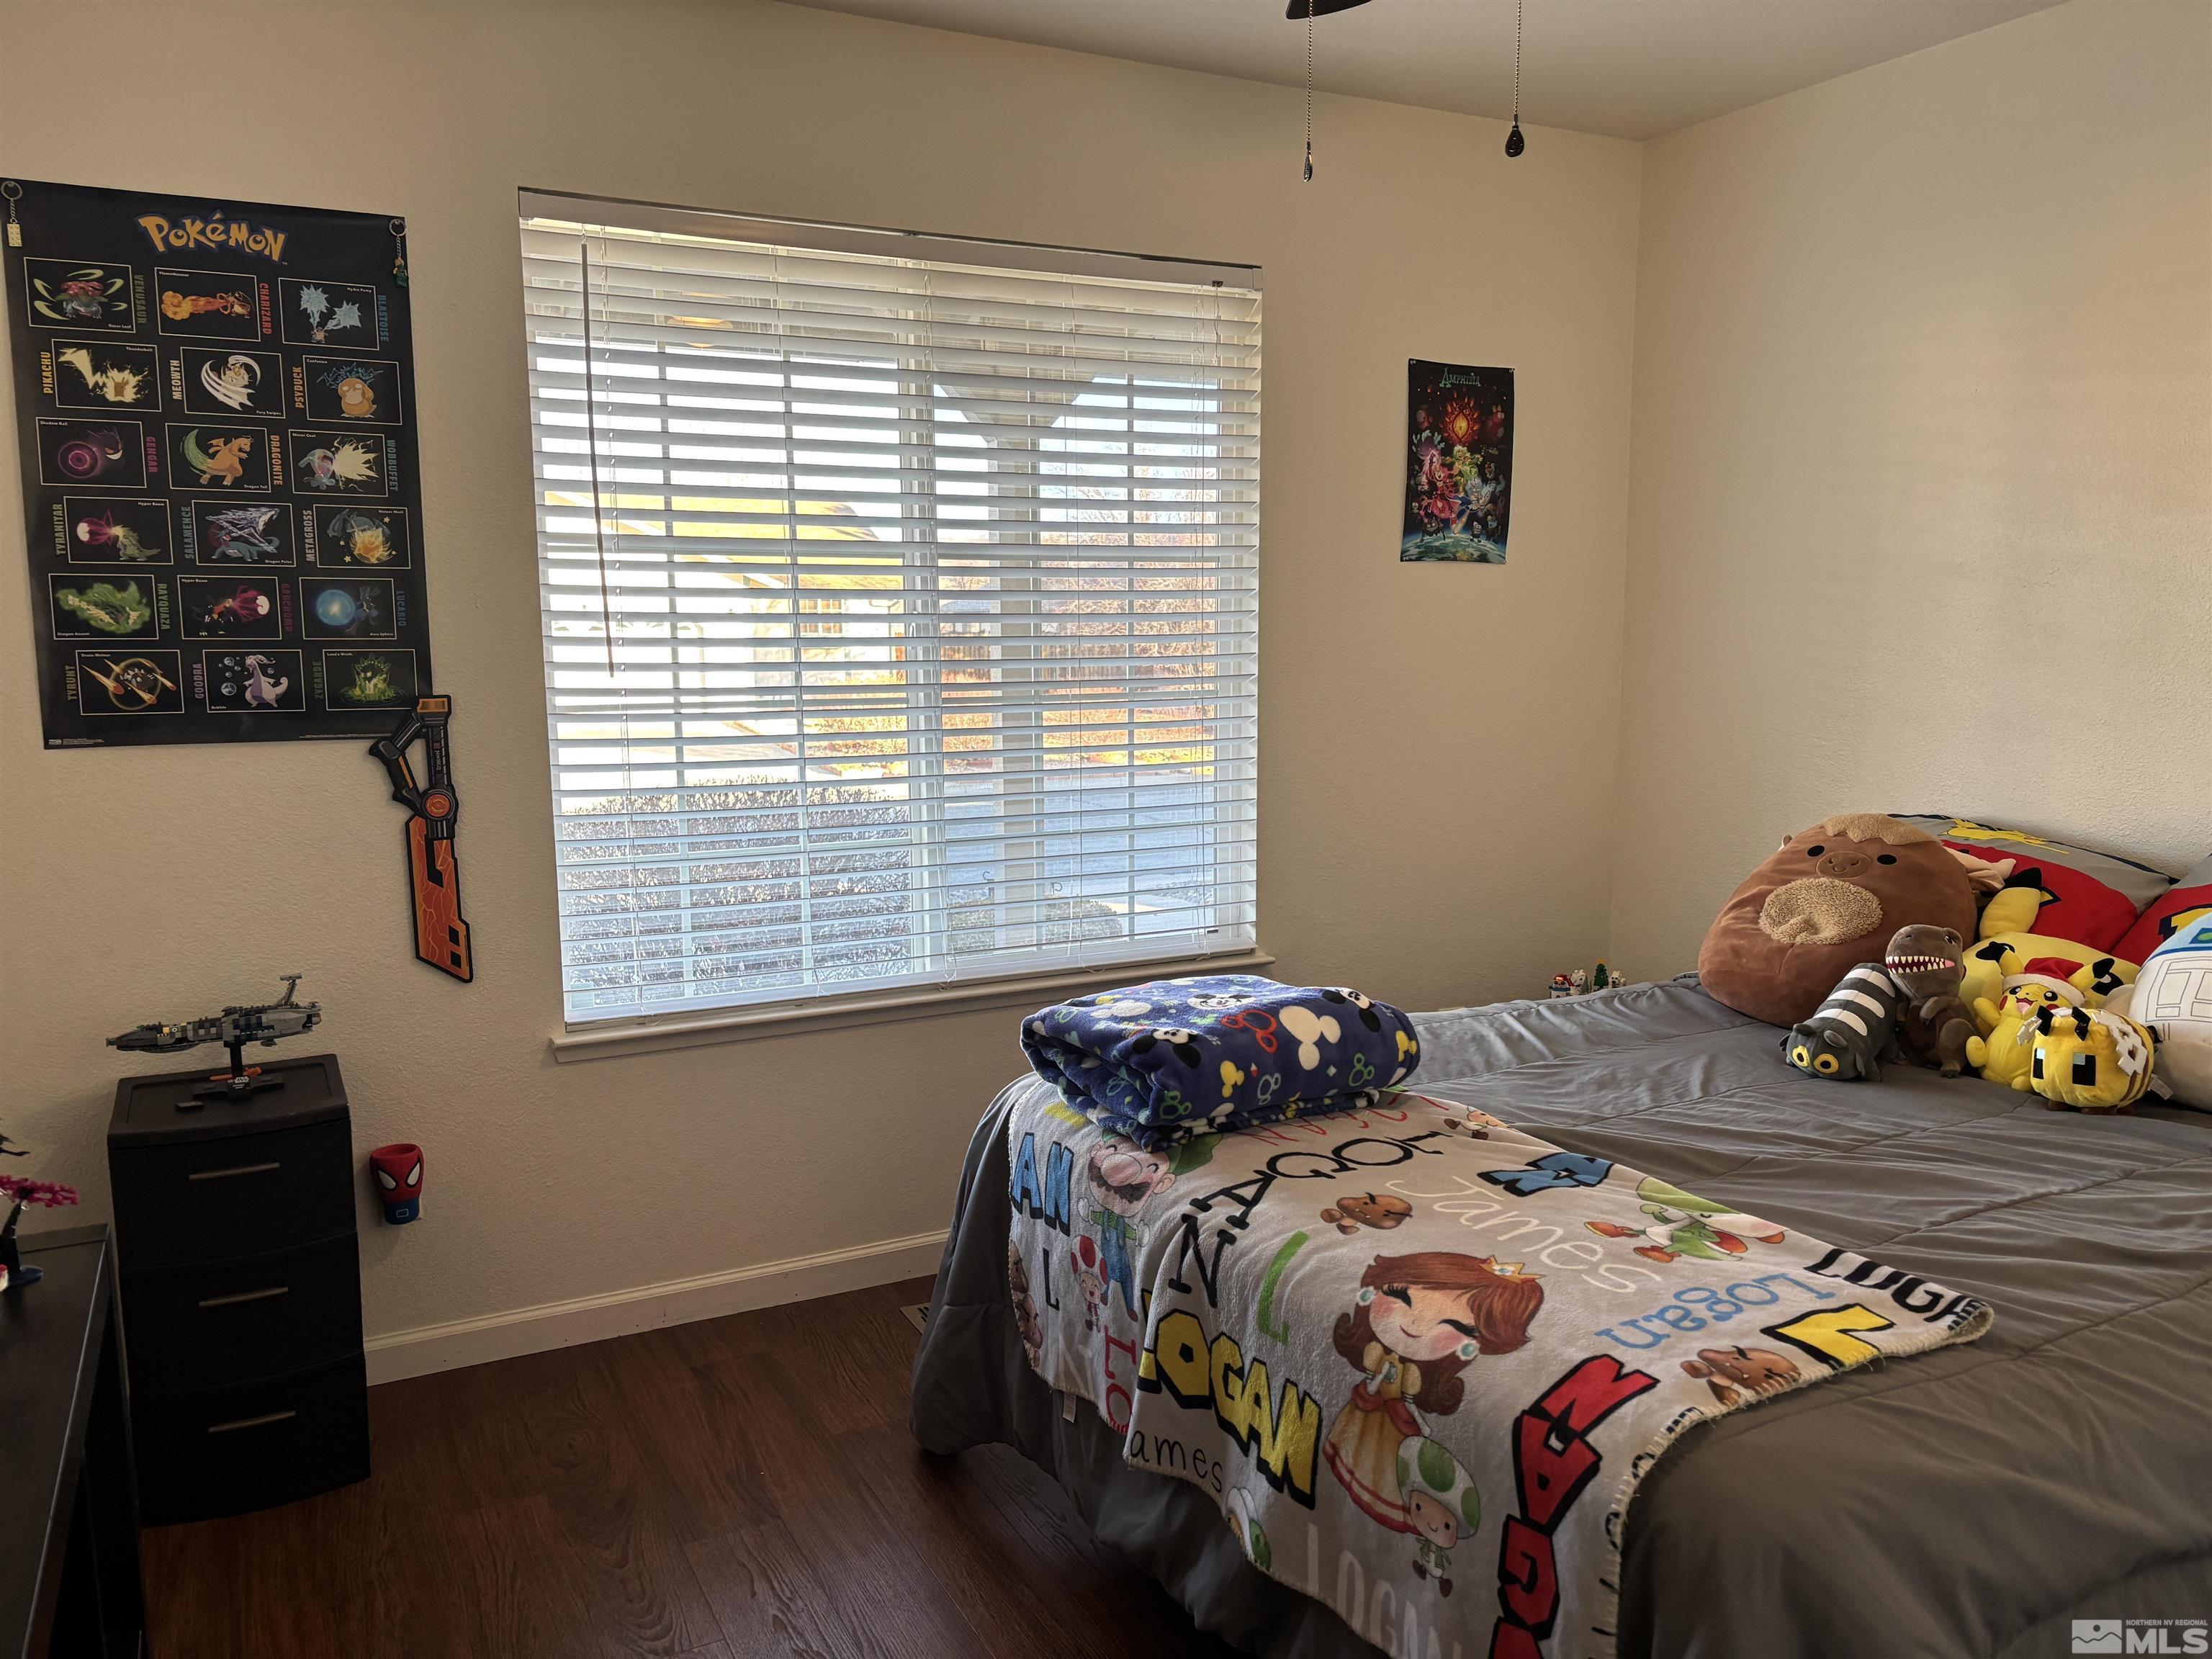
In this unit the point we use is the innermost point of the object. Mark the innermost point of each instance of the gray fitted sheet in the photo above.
(1971, 1501)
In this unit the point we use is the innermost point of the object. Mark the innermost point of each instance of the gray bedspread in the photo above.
(2060, 1467)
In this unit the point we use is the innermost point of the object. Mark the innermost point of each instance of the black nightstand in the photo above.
(241, 1290)
(69, 1530)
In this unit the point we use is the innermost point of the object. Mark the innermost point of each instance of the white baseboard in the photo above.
(399, 1354)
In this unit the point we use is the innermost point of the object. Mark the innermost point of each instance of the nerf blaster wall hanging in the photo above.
(441, 936)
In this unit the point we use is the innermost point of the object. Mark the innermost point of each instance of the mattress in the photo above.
(2060, 1467)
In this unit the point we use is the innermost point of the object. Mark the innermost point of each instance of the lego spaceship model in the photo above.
(235, 1027)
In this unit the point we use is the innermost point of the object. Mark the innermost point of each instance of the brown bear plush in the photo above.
(1821, 904)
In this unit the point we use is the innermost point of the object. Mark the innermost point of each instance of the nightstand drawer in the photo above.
(210, 1324)
(233, 1450)
(201, 1201)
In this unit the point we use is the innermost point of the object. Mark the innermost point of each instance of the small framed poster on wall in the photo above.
(219, 453)
(1459, 464)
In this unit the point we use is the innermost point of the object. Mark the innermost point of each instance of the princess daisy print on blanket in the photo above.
(1421, 1359)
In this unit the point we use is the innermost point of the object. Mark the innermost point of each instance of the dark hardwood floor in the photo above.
(737, 1487)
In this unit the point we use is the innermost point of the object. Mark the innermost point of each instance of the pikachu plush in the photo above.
(2000, 1054)
(1993, 964)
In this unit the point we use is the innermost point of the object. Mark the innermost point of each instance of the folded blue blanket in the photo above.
(1160, 1062)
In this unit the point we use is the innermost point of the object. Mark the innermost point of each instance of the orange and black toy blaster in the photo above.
(441, 937)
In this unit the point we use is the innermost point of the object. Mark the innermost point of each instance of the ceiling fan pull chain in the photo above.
(1515, 143)
(1309, 17)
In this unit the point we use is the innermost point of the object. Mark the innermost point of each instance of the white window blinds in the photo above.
(900, 601)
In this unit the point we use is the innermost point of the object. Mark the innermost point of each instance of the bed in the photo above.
(2060, 1465)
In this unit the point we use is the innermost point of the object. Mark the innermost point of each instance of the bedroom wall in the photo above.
(1921, 512)
(1437, 776)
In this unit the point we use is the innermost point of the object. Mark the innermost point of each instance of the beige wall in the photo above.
(1923, 459)
(1438, 780)
(1922, 501)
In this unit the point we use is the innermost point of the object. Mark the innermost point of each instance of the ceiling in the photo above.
(1634, 69)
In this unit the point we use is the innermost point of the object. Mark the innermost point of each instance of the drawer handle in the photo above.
(236, 1169)
(250, 1422)
(244, 1296)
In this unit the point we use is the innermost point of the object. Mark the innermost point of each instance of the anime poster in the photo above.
(1459, 462)
(219, 453)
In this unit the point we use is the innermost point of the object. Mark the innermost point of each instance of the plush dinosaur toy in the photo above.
(1934, 1024)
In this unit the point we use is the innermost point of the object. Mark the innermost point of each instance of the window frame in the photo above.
(1036, 968)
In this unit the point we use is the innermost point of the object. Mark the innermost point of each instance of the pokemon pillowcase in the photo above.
(1163, 1061)
(2048, 887)
(2187, 901)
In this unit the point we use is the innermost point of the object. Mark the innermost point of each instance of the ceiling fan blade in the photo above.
(1297, 10)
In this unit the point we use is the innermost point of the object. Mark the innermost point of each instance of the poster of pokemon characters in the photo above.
(220, 458)
(1459, 462)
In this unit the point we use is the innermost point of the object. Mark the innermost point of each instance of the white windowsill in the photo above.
(651, 1035)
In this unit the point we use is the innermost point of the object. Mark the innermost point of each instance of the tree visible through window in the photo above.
(900, 605)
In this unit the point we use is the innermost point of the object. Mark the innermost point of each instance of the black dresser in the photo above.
(241, 1290)
(69, 1524)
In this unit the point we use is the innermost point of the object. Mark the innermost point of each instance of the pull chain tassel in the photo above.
(1515, 143)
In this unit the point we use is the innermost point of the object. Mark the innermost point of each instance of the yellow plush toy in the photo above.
(2090, 1062)
(2087, 976)
(1999, 1053)
(2011, 910)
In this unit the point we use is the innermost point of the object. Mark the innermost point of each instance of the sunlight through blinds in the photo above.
(900, 603)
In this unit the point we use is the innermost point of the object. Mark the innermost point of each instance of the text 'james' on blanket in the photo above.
(1420, 1360)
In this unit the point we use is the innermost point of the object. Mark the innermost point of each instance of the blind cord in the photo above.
(592, 433)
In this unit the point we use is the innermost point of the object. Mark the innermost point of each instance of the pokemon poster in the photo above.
(1459, 462)
(216, 406)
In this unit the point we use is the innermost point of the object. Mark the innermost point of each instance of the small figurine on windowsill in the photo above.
(1582, 982)
(16, 1192)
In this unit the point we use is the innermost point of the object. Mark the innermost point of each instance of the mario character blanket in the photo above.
(1419, 1359)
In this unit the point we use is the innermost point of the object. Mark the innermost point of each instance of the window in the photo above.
(900, 601)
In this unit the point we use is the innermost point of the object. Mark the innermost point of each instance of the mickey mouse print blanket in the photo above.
(1419, 1359)
(1162, 1062)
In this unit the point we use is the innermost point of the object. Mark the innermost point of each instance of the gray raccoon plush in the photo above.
(1853, 1031)
(1933, 1027)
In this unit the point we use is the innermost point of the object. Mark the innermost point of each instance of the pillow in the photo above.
(2173, 997)
(1825, 901)
(2188, 900)
(2048, 887)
